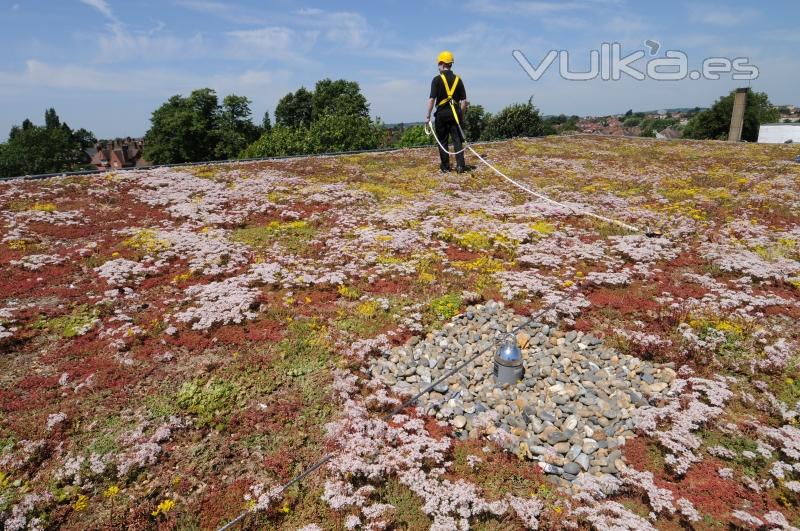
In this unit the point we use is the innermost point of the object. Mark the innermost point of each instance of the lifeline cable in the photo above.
(429, 130)
(327, 457)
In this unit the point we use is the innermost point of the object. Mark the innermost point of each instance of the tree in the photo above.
(294, 110)
(51, 120)
(279, 141)
(51, 148)
(38, 150)
(415, 136)
(571, 124)
(632, 121)
(336, 132)
(559, 124)
(204, 105)
(340, 97)
(235, 131)
(519, 119)
(183, 129)
(714, 123)
(85, 139)
(335, 117)
(266, 125)
(474, 122)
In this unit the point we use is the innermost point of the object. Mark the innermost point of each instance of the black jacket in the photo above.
(438, 92)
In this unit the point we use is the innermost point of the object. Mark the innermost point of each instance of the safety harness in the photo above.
(450, 91)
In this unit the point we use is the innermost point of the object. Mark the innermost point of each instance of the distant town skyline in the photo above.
(105, 65)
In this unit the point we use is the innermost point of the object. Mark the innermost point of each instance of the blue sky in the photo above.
(107, 64)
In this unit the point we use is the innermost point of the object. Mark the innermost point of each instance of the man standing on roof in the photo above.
(450, 98)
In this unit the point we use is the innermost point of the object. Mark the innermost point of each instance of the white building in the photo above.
(779, 133)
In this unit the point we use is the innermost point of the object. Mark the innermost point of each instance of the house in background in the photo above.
(119, 153)
(779, 133)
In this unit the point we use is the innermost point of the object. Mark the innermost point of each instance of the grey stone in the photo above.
(557, 437)
(589, 446)
(547, 468)
(537, 449)
(560, 399)
(574, 452)
(441, 387)
(570, 423)
(562, 447)
(547, 416)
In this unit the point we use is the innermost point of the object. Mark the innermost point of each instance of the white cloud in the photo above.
(348, 29)
(782, 35)
(103, 7)
(491, 6)
(719, 15)
(266, 39)
(535, 8)
(225, 11)
(342, 28)
(15, 7)
(39, 75)
(627, 25)
(121, 45)
(270, 43)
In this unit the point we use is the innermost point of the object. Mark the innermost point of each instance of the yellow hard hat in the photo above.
(445, 57)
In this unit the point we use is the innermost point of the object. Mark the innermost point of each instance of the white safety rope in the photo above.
(429, 130)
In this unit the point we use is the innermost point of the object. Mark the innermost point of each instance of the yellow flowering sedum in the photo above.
(164, 507)
(82, 503)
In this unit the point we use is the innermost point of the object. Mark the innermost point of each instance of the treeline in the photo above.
(334, 117)
(49, 148)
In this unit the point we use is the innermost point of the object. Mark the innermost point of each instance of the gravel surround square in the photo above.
(571, 412)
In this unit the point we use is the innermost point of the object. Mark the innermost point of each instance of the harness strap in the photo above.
(450, 91)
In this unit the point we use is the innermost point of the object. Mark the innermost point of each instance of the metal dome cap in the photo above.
(509, 354)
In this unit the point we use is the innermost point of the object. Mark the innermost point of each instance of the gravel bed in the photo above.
(572, 410)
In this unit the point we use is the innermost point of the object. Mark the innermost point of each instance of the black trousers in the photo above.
(445, 128)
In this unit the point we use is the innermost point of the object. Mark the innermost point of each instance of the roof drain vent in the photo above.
(508, 367)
